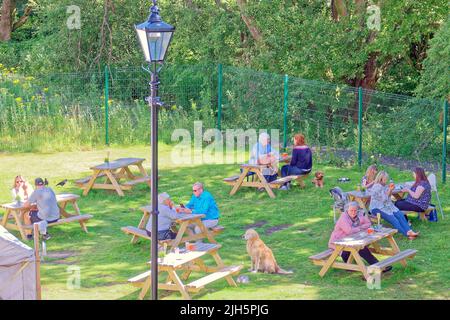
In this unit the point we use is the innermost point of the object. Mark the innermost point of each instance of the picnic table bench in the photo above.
(188, 262)
(354, 243)
(113, 172)
(15, 212)
(184, 233)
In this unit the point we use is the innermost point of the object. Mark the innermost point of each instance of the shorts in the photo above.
(164, 234)
(35, 218)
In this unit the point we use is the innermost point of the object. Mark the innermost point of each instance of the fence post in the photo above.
(360, 111)
(285, 102)
(444, 143)
(106, 105)
(219, 98)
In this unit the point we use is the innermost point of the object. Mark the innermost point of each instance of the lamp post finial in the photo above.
(154, 13)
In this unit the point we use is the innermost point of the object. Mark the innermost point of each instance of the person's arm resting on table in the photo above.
(416, 194)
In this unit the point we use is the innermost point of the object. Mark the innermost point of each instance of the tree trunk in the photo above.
(6, 22)
(22, 19)
(249, 22)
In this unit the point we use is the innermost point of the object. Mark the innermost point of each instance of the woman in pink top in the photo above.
(349, 223)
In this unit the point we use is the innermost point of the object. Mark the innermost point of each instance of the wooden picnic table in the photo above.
(184, 233)
(358, 241)
(363, 197)
(15, 212)
(113, 172)
(187, 262)
(260, 181)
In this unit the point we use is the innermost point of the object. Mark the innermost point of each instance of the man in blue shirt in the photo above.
(202, 202)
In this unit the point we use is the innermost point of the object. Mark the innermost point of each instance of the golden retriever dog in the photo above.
(261, 255)
(318, 179)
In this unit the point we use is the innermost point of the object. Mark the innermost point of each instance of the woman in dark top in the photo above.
(419, 196)
(301, 162)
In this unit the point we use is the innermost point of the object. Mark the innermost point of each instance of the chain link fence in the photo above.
(54, 112)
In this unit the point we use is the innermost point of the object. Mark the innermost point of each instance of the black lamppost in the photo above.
(154, 36)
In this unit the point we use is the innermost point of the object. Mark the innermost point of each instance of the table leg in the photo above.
(75, 206)
(129, 174)
(62, 209)
(5, 218)
(144, 173)
(119, 175)
(114, 183)
(145, 287)
(220, 264)
(91, 182)
(330, 261)
(181, 231)
(264, 183)
(177, 282)
(204, 231)
(141, 225)
(19, 224)
(239, 181)
(359, 262)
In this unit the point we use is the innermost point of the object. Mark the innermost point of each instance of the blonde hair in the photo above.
(370, 173)
(382, 175)
(18, 177)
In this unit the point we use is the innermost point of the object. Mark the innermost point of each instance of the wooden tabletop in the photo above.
(59, 198)
(117, 164)
(175, 260)
(362, 239)
(365, 194)
(359, 194)
(254, 166)
(180, 216)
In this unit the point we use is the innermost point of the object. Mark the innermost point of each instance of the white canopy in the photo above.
(17, 269)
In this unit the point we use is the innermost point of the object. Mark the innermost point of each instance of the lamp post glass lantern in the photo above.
(154, 36)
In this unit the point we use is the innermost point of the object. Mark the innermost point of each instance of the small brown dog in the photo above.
(261, 255)
(318, 179)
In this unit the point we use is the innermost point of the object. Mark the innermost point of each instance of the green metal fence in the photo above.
(59, 111)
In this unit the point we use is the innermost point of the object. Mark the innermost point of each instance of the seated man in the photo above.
(166, 216)
(263, 154)
(202, 202)
(47, 206)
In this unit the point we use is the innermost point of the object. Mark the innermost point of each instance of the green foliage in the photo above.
(434, 82)
(297, 37)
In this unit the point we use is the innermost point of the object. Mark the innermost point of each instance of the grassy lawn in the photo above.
(106, 257)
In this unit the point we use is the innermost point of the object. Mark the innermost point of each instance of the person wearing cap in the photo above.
(47, 206)
(202, 202)
(167, 214)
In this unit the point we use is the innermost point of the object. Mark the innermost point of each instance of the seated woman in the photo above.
(351, 221)
(380, 202)
(419, 196)
(21, 188)
(301, 162)
(262, 153)
(369, 179)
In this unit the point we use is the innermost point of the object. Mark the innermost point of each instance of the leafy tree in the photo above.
(435, 82)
